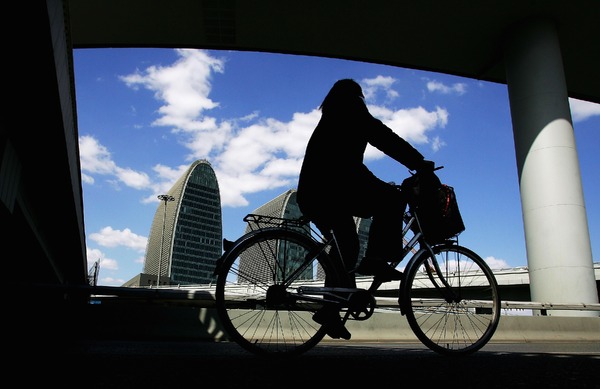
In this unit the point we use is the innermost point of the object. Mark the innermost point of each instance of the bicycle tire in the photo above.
(457, 325)
(257, 301)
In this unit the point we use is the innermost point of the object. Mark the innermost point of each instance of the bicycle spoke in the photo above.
(452, 301)
(257, 293)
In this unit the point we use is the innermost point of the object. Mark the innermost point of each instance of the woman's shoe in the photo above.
(378, 268)
(332, 322)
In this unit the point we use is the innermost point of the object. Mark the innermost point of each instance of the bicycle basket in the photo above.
(435, 205)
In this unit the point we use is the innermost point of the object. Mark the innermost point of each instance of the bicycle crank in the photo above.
(361, 305)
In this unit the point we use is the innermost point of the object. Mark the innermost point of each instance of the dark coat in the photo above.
(333, 171)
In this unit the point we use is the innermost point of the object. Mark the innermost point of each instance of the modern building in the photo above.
(285, 206)
(186, 235)
(282, 206)
(363, 225)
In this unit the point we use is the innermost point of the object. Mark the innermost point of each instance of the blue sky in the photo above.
(145, 115)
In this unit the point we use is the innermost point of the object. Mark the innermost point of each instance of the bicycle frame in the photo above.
(280, 272)
(341, 295)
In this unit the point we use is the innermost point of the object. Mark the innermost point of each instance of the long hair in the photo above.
(344, 94)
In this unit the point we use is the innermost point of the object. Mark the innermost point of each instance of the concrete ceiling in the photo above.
(463, 38)
(42, 185)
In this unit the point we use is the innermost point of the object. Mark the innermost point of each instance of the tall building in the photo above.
(282, 206)
(363, 225)
(187, 230)
(285, 206)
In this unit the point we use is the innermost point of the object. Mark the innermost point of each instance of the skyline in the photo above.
(145, 115)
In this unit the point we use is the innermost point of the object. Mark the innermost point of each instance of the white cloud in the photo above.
(96, 159)
(582, 110)
(249, 154)
(412, 124)
(133, 179)
(372, 86)
(108, 264)
(94, 255)
(496, 263)
(184, 86)
(458, 88)
(437, 143)
(108, 237)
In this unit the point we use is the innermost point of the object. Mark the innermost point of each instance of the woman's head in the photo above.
(343, 93)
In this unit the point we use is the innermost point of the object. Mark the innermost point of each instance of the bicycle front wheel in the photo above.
(257, 293)
(451, 301)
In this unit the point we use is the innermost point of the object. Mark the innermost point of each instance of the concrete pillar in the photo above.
(557, 237)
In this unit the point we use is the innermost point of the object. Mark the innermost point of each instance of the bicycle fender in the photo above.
(228, 246)
(411, 264)
(408, 269)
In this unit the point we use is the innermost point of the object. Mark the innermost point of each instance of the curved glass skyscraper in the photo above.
(282, 206)
(187, 230)
(285, 206)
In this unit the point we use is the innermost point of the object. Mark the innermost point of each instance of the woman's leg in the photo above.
(344, 229)
(387, 223)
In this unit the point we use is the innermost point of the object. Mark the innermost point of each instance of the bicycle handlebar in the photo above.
(428, 170)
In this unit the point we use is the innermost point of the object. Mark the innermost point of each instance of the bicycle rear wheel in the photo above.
(257, 295)
(451, 301)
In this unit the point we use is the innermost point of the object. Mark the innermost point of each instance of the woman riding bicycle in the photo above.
(335, 186)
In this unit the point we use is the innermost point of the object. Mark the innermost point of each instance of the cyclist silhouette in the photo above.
(335, 186)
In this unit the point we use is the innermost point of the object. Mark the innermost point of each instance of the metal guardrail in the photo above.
(391, 302)
(204, 296)
(549, 306)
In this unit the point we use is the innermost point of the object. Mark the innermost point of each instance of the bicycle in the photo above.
(272, 280)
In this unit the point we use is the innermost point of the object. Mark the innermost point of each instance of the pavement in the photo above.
(154, 363)
(160, 346)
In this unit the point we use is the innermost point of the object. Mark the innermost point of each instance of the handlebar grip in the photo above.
(433, 169)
